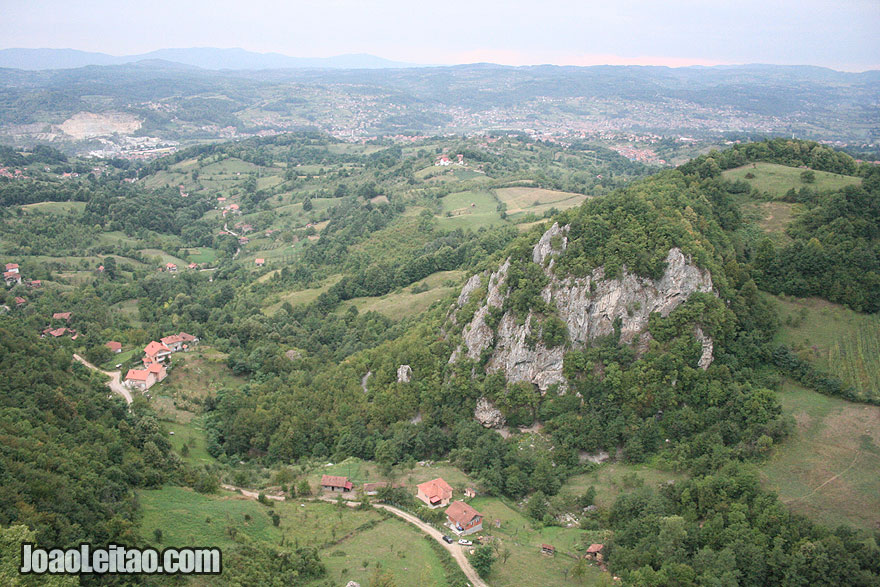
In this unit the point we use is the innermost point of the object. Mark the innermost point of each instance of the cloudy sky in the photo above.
(843, 34)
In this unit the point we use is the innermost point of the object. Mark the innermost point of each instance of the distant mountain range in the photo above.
(203, 57)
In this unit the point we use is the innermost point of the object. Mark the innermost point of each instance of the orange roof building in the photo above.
(435, 493)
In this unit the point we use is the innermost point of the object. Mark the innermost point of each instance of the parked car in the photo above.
(447, 539)
(464, 542)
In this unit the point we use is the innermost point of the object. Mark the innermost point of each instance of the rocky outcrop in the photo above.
(589, 307)
(488, 415)
(404, 374)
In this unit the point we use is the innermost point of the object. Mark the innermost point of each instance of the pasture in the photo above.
(54, 207)
(775, 180)
(522, 200)
(469, 210)
(827, 469)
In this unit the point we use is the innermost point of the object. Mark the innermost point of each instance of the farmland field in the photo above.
(835, 338)
(55, 207)
(522, 200)
(775, 179)
(404, 303)
(827, 469)
(469, 210)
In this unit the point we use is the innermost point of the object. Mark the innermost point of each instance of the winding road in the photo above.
(115, 382)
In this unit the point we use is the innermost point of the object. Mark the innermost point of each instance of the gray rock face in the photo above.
(589, 307)
(488, 415)
(404, 374)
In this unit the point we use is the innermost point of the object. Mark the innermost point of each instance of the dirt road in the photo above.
(115, 382)
(457, 552)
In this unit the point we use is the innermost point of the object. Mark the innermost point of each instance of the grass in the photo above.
(523, 200)
(772, 217)
(164, 258)
(836, 339)
(394, 546)
(129, 309)
(405, 303)
(191, 434)
(55, 207)
(303, 296)
(199, 255)
(827, 469)
(526, 565)
(775, 179)
(187, 518)
(469, 210)
(613, 479)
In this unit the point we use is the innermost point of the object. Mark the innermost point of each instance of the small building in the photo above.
(188, 338)
(336, 483)
(170, 267)
(58, 332)
(144, 379)
(173, 342)
(193, 266)
(61, 316)
(156, 352)
(35, 283)
(373, 488)
(11, 278)
(435, 493)
(463, 519)
(595, 552)
(20, 301)
(470, 492)
(114, 346)
(548, 549)
(259, 262)
(12, 267)
(243, 240)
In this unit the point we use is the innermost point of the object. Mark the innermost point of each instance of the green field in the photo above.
(775, 179)
(55, 207)
(393, 544)
(191, 434)
(404, 303)
(162, 257)
(827, 469)
(523, 200)
(836, 339)
(199, 255)
(612, 479)
(188, 518)
(469, 210)
(303, 296)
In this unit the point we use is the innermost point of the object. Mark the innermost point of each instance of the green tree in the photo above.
(482, 560)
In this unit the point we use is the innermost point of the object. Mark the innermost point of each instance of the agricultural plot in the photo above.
(199, 255)
(772, 217)
(187, 518)
(404, 303)
(523, 200)
(775, 179)
(835, 338)
(303, 296)
(469, 210)
(191, 435)
(162, 258)
(827, 469)
(54, 207)
(613, 479)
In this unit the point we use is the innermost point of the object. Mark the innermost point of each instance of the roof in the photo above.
(595, 548)
(375, 486)
(166, 340)
(436, 489)
(335, 481)
(547, 547)
(186, 337)
(58, 331)
(61, 316)
(461, 513)
(155, 368)
(8, 274)
(170, 265)
(259, 261)
(156, 347)
(113, 345)
(11, 266)
(137, 374)
(20, 300)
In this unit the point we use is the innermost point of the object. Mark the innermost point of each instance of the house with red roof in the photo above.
(20, 301)
(12, 267)
(11, 278)
(336, 483)
(188, 338)
(170, 267)
(259, 262)
(156, 352)
(58, 332)
(144, 379)
(463, 519)
(193, 266)
(114, 346)
(35, 283)
(435, 493)
(173, 342)
(61, 316)
(595, 552)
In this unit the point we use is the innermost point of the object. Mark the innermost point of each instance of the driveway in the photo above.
(115, 382)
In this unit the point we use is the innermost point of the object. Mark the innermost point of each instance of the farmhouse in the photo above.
(58, 332)
(173, 342)
(188, 338)
(12, 267)
(336, 483)
(156, 352)
(61, 316)
(20, 301)
(144, 379)
(170, 267)
(260, 262)
(11, 278)
(595, 552)
(193, 266)
(436, 492)
(35, 283)
(463, 519)
(114, 346)
(548, 549)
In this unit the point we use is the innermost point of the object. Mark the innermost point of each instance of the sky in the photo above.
(841, 34)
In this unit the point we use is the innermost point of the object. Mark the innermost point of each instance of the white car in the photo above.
(464, 542)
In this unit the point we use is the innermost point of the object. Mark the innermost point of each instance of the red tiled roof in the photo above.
(171, 339)
(186, 337)
(11, 266)
(7, 274)
(335, 481)
(436, 490)
(113, 345)
(155, 368)
(461, 513)
(137, 374)
(595, 548)
(20, 300)
(58, 332)
(61, 316)
(155, 347)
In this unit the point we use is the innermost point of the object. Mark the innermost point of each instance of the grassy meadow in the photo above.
(775, 180)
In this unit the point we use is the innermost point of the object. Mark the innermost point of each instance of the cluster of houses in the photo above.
(155, 355)
(461, 518)
(58, 331)
(12, 276)
(443, 160)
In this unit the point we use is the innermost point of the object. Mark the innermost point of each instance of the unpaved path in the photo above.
(454, 549)
(250, 493)
(115, 382)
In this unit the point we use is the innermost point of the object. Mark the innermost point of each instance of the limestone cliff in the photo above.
(589, 307)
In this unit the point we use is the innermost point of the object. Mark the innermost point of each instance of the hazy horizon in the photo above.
(839, 35)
